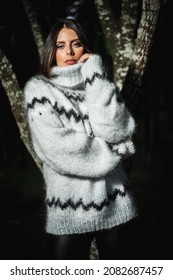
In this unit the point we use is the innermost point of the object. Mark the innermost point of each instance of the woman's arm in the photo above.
(108, 115)
(65, 150)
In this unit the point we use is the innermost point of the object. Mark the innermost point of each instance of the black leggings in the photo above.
(77, 246)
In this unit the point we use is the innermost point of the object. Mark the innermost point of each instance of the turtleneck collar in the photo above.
(68, 76)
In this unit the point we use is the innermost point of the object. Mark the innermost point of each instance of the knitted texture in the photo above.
(81, 131)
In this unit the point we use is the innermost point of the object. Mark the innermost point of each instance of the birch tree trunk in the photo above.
(15, 96)
(128, 42)
(119, 34)
(12, 87)
(143, 42)
(35, 26)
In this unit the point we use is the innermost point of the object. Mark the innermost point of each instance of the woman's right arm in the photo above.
(65, 150)
(109, 117)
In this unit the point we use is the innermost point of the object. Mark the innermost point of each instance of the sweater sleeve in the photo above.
(109, 117)
(65, 150)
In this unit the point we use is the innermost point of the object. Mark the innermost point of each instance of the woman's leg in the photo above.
(69, 247)
(109, 243)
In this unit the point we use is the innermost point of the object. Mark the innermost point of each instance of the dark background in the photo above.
(22, 210)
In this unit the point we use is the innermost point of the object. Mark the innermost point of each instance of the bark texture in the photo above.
(35, 26)
(15, 96)
(129, 38)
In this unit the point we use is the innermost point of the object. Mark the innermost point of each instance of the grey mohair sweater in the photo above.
(81, 131)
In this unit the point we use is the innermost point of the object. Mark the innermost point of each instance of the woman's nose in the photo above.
(69, 51)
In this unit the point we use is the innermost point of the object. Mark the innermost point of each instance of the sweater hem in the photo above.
(61, 227)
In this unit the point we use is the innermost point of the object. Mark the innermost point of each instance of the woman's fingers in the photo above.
(84, 57)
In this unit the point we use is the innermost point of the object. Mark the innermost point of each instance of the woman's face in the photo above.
(68, 48)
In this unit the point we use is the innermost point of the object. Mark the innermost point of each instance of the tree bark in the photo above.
(119, 34)
(129, 43)
(144, 40)
(15, 96)
(35, 26)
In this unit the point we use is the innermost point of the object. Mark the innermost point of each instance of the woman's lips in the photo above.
(71, 61)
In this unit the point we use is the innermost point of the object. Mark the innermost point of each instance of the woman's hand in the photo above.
(84, 57)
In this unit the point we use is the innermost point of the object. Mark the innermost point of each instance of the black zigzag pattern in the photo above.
(35, 100)
(75, 205)
(72, 96)
(68, 114)
(60, 111)
(96, 75)
(103, 76)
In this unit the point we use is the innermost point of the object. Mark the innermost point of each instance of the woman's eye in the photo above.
(59, 47)
(76, 44)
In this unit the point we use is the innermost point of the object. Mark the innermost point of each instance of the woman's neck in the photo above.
(68, 76)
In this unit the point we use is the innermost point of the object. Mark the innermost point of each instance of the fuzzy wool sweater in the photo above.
(81, 131)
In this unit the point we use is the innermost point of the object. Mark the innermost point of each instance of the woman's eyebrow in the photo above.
(60, 42)
(63, 42)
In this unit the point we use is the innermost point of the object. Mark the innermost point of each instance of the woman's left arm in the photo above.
(108, 115)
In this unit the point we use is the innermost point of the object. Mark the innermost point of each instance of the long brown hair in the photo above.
(48, 58)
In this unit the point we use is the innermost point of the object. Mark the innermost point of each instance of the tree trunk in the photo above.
(128, 42)
(35, 26)
(15, 96)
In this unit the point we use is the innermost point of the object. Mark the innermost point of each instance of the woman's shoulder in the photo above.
(35, 86)
(35, 81)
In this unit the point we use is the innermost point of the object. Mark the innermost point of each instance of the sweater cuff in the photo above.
(93, 64)
(130, 147)
(125, 148)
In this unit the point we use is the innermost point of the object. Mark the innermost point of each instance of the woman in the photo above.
(81, 131)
